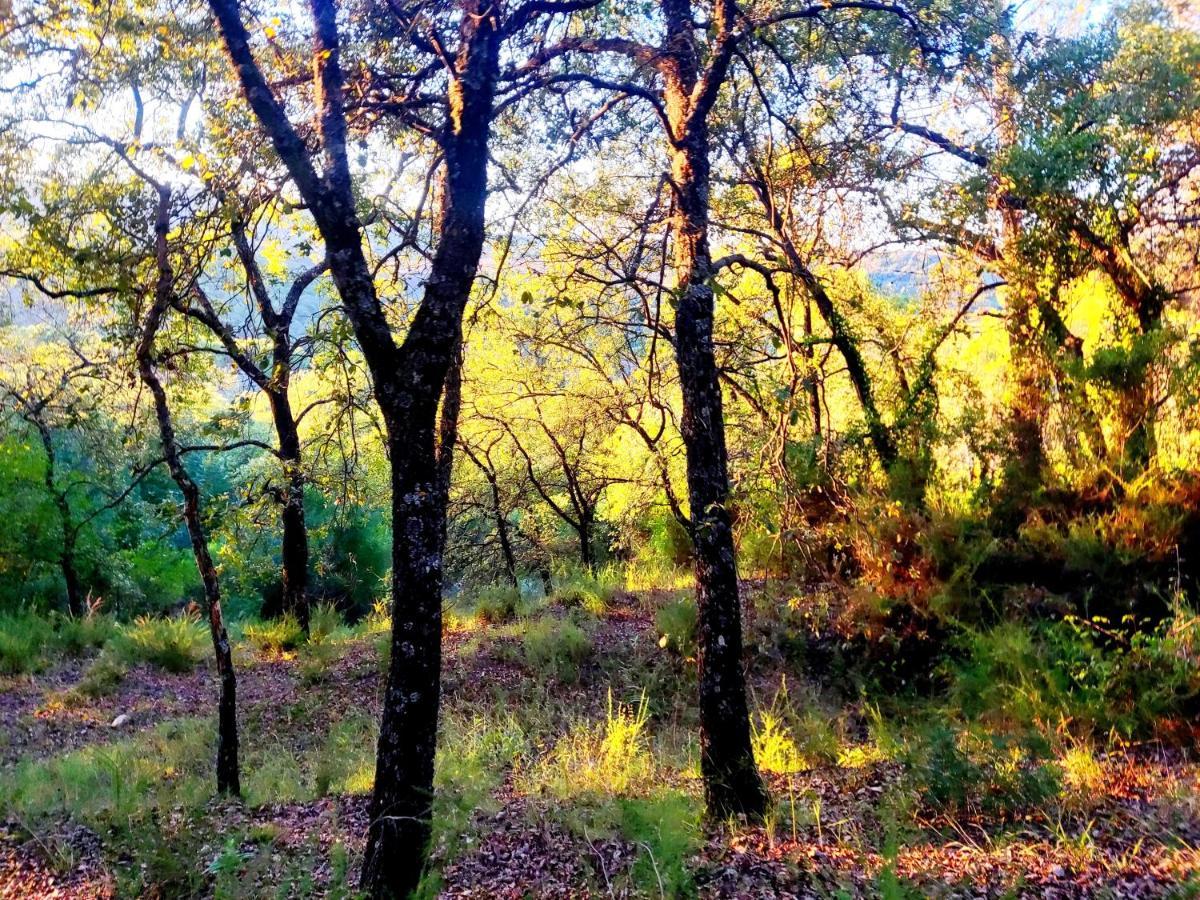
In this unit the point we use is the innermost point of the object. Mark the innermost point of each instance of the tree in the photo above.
(1066, 197)
(228, 774)
(409, 377)
(42, 398)
(274, 323)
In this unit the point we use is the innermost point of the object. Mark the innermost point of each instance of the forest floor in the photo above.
(562, 773)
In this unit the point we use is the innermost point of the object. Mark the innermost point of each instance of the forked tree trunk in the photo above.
(408, 381)
(228, 776)
(401, 805)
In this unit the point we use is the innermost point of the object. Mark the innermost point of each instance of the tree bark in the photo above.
(66, 556)
(732, 785)
(294, 542)
(228, 776)
(401, 805)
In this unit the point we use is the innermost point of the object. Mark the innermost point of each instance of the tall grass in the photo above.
(608, 758)
(174, 644)
(29, 641)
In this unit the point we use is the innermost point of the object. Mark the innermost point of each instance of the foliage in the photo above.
(175, 644)
(555, 647)
(1084, 675)
(675, 622)
(963, 773)
(276, 635)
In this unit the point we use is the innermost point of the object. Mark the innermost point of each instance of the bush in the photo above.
(997, 776)
(76, 635)
(496, 604)
(276, 636)
(24, 638)
(676, 625)
(176, 644)
(1085, 673)
(102, 677)
(556, 647)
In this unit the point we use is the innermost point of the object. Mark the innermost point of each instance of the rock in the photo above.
(120, 720)
(1058, 872)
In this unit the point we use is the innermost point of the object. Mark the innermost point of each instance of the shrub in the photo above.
(1086, 673)
(75, 635)
(175, 644)
(24, 638)
(556, 647)
(102, 677)
(496, 604)
(275, 636)
(999, 776)
(676, 625)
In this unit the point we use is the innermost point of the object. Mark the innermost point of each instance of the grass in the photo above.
(119, 782)
(274, 636)
(978, 753)
(173, 644)
(496, 604)
(101, 678)
(676, 626)
(775, 750)
(474, 753)
(608, 758)
(591, 592)
(555, 647)
(345, 762)
(29, 641)
(23, 642)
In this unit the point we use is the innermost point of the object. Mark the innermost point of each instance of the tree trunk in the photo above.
(811, 388)
(1023, 471)
(294, 544)
(731, 782)
(408, 381)
(401, 805)
(66, 557)
(228, 780)
(586, 554)
(506, 547)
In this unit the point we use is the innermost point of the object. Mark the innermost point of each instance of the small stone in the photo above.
(1058, 872)
(120, 720)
